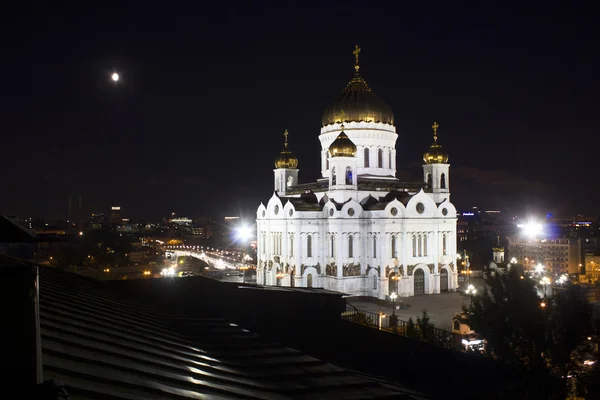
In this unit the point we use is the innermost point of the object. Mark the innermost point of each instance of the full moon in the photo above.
(115, 77)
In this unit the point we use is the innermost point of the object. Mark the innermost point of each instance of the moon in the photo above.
(115, 77)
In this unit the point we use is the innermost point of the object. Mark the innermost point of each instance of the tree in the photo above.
(425, 327)
(543, 342)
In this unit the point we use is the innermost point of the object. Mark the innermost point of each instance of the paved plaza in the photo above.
(440, 307)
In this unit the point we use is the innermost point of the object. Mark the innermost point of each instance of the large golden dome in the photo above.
(358, 103)
(436, 154)
(342, 146)
(285, 158)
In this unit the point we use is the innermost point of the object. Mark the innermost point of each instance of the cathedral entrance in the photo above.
(419, 279)
(309, 280)
(444, 280)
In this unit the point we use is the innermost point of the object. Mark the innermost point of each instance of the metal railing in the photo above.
(428, 333)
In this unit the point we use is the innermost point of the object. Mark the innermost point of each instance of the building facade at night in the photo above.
(558, 256)
(358, 229)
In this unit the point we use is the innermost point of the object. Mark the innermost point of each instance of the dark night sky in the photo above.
(206, 93)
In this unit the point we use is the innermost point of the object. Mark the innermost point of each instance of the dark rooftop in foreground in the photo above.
(103, 346)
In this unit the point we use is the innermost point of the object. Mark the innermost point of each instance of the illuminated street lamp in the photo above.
(393, 318)
(545, 281)
(531, 229)
(539, 268)
(471, 292)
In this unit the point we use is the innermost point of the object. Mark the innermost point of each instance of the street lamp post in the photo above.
(471, 292)
(393, 317)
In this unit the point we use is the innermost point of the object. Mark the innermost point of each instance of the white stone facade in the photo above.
(358, 230)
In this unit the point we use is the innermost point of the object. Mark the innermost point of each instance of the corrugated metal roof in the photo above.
(102, 346)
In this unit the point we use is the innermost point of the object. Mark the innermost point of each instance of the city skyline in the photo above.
(197, 115)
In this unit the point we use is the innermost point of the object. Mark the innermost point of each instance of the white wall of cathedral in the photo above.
(437, 176)
(342, 249)
(375, 144)
(284, 178)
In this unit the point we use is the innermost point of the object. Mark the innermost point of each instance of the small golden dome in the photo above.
(435, 154)
(342, 146)
(285, 158)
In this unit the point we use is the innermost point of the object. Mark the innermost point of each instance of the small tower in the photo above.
(343, 163)
(498, 252)
(286, 169)
(436, 170)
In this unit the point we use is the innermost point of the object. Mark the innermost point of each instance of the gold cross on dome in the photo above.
(285, 134)
(356, 52)
(435, 127)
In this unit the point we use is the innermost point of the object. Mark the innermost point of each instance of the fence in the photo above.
(427, 333)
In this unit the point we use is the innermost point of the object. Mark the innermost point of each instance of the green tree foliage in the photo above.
(545, 343)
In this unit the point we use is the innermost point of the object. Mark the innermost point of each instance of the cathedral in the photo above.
(358, 229)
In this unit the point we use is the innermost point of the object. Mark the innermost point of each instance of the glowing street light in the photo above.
(539, 268)
(244, 233)
(114, 77)
(393, 296)
(471, 292)
(532, 229)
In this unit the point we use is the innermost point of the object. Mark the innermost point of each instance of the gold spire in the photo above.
(435, 127)
(435, 154)
(285, 158)
(342, 117)
(356, 52)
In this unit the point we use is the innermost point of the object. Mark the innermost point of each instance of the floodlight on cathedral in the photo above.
(435, 154)
(285, 158)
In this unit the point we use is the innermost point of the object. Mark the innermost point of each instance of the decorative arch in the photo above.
(380, 158)
(314, 276)
(429, 181)
(373, 279)
(443, 181)
(367, 158)
(426, 276)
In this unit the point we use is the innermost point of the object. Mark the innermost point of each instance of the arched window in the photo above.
(443, 181)
(309, 246)
(456, 325)
(291, 252)
(333, 180)
(414, 245)
(309, 280)
(425, 245)
(367, 161)
(420, 245)
(393, 246)
(444, 244)
(374, 282)
(350, 246)
(429, 181)
(348, 176)
(374, 246)
(332, 246)
(380, 158)
(390, 159)
(327, 160)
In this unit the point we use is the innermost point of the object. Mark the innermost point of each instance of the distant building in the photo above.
(592, 268)
(115, 215)
(560, 256)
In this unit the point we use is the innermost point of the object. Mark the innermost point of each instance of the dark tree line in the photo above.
(546, 340)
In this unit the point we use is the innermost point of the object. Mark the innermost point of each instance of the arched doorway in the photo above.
(444, 280)
(309, 280)
(419, 281)
(392, 283)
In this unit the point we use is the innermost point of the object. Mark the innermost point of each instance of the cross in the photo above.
(435, 126)
(356, 52)
(285, 134)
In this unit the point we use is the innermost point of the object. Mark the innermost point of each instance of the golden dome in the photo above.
(285, 158)
(358, 102)
(342, 146)
(435, 154)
